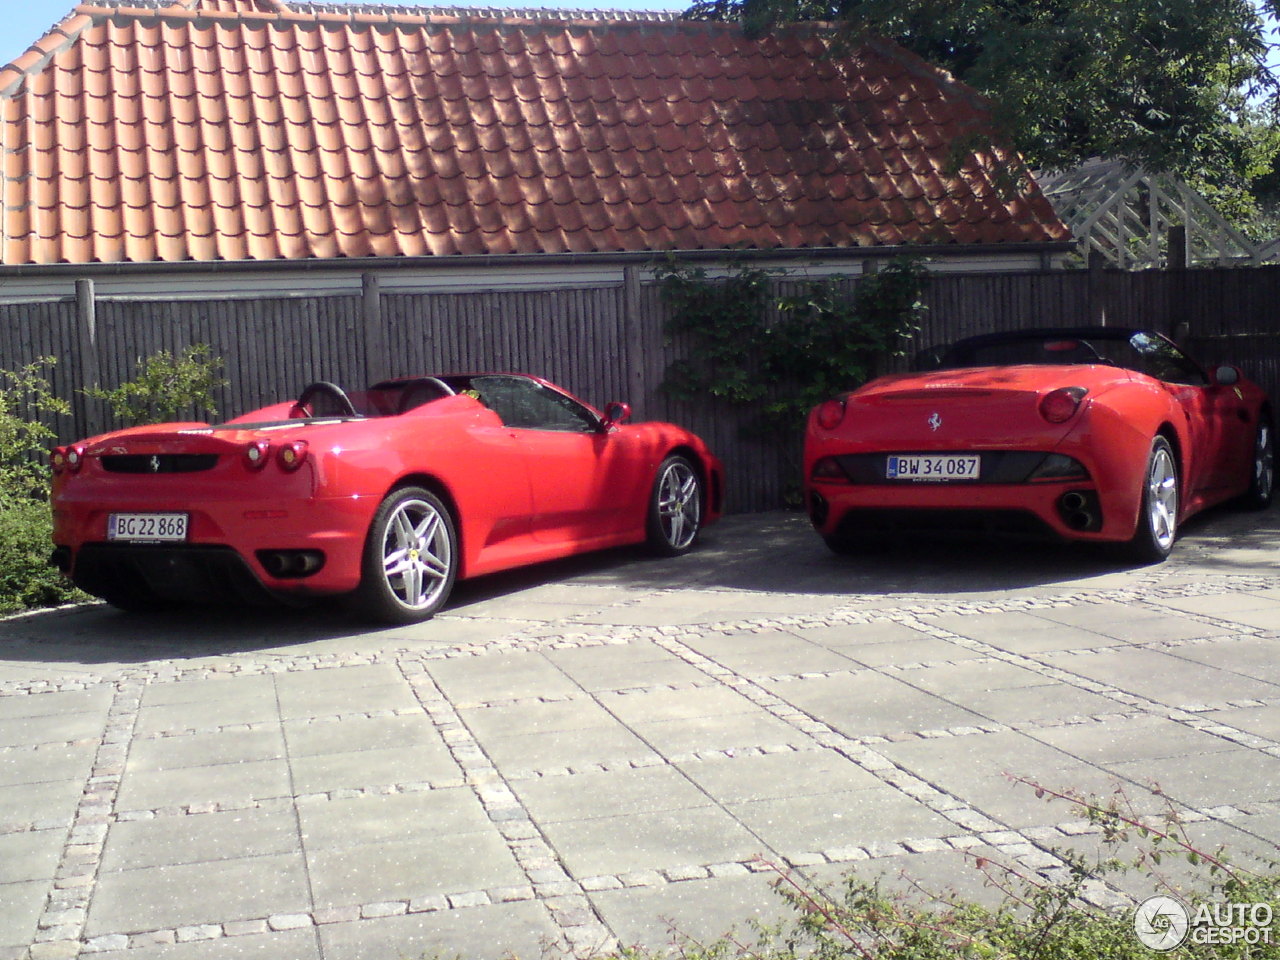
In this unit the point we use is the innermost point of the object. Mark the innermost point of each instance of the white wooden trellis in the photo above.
(1125, 213)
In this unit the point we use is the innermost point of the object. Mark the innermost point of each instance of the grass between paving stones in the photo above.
(1070, 911)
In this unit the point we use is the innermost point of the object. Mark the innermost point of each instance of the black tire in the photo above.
(1262, 482)
(675, 508)
(410, 559)
(1158, 513)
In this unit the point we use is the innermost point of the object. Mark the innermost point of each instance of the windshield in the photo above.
(1141, 351)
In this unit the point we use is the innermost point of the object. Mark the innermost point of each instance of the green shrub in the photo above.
(166, 387)
(780, 356)
(26, 577)
(25, 397)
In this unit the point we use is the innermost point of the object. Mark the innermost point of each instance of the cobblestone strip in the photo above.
(563, 897)
(61, 924)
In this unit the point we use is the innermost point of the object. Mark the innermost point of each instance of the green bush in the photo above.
(26, 577)
(25, 397)
(780, 356)
(166, 387)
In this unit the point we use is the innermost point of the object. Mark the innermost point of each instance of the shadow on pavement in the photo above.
(772, 552)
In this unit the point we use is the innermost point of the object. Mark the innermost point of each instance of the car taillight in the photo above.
(67, 459)
(828, 470)
(1061, 405)
(292, 454)
(256, 454)
(831, 414)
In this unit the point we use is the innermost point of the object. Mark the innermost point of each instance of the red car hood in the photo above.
(987, 407)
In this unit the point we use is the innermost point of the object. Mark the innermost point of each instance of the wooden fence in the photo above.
(602, 343)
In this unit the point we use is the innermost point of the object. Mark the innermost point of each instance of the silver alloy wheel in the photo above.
(1162, 497)
(679, 504)
(1264, 456)
(417, 554)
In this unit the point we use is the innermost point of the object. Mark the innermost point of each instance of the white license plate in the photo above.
(148, 527)
(901, 467)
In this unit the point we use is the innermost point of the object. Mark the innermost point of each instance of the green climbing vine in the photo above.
(782, 355)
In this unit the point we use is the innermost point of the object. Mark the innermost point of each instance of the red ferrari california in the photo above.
(386, 495)
(1103, 434)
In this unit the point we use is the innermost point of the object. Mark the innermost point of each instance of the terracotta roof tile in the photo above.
(260, 129)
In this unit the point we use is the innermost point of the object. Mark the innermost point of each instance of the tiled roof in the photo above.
(138, 130)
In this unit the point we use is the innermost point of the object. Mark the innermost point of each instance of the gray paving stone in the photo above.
(33, 855)
(697, 735)
(382, 819)
(771, 653)
(828, 820)
(650, 841)
(239, 706)
(49, 800)
(23, 903)
(498, 930)
(565, 748)
(306, 739)
(46, 765)
(530, 718)
(198, 893)
(1140, 738)
(209, 837)
(870, 703)
(778, 776)
(325, 698)
(410, 869)
(908, 652)
(321, 773)
(226, 782)
(1166, 678)
(205, 749)
(210, 693)
(93, 701)
(1045, 703)
(592, 795)
(663, 916)
(500, 677)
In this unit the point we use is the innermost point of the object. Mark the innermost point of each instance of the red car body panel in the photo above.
(994, 410)
(517, 496)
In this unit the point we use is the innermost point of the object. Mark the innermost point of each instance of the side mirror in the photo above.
(616, 413)
(1226, 375)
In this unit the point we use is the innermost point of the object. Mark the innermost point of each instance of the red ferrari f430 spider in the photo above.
(1103, 434)
(387, 495)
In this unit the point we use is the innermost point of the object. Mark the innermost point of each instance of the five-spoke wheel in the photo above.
(1158, 513)
(411, 558)
(675, 508)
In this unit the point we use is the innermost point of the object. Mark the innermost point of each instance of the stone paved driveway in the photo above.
(608, 749)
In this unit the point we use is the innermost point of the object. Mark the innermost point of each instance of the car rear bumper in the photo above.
(234, 549)
(1048, 511)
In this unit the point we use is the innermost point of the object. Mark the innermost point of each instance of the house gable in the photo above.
(260, 130)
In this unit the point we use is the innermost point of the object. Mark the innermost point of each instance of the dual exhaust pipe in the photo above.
(1079, 510)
